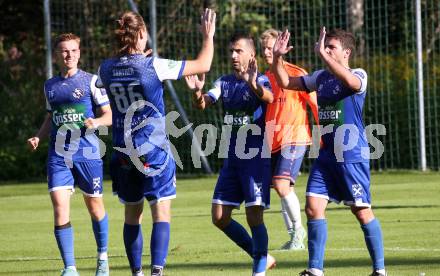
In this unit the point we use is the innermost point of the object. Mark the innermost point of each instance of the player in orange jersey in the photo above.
(289, 137)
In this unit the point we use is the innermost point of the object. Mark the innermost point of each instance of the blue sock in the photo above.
(133, 245)
(160, 237)
(317, 232)
(374, 241)
(259, 241)
(236, 232)
(100, 229)
(64, 237)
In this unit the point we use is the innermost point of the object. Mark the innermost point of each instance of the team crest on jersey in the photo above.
(246, 96)
(336, 90)
(77, 93)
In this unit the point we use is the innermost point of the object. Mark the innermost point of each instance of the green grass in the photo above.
(407, 205)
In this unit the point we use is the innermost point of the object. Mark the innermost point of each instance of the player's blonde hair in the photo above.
(269, 33)
(129, 25)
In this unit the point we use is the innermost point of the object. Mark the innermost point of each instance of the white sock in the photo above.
(259, 273)
(287, 221)
(102, 256)
(72, 267)
(293, 209)
(316, 271)
(381, 271)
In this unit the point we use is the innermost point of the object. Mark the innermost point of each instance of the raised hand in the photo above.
(194, 82)
(208, 23)
(320, 44)
(33, 142)
(250, 73)
(281, 44)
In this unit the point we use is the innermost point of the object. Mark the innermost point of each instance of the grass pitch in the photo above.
(406, 203)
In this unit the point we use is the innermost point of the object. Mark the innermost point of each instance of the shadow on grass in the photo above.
(340, 208)
(229, 266)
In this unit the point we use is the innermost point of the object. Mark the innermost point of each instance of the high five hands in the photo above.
(194, 82)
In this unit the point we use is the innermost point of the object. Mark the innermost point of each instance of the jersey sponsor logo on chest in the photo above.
(230, 119)
(329, 114)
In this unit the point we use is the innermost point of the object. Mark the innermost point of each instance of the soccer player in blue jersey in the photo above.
(341, 172)
(243, 177)
(74, 158)
(143, 166)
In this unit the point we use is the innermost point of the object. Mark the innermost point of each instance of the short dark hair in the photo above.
(347, 39)
(245, 36)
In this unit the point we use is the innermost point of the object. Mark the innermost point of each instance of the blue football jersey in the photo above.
(139, 129)
(340, 114)
(70, 101)
(241, 107)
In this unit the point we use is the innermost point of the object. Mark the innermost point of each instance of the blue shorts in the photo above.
(287, 162)
(132, 186)
(338, 182)
(86, 175)
(244, 180)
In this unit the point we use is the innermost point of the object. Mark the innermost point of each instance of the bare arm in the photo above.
(342, 73)
(203, 62)
(283, 79)
(104, 118)
(44, 130)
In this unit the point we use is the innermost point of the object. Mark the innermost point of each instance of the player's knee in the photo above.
(220, 221)
(363, 214)
(313, 212)
(282, 187)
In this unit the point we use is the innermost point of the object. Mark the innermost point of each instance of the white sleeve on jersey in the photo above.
(310, 80)
(167, 69)
(98, 82)
(99, 95)
(215, 92)
(363, 77)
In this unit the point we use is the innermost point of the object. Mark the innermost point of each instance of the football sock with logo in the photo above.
(133, 245)
(373, 239)
(238, 234)
(100, 230)
(293, 208)
(317, 231)
(160, 237)
(259, 242)
(64, 237)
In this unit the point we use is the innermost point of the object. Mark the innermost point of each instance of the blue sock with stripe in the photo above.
(373, 239)
(134, 243)
(238, 234)
(64, 237)
(259, 242)
(100, 230)
(160, 237)
(317, 232)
